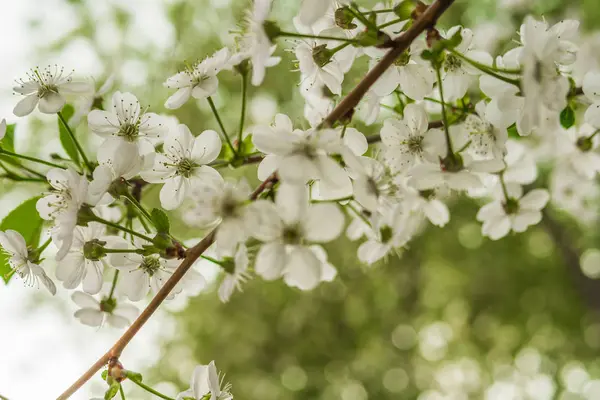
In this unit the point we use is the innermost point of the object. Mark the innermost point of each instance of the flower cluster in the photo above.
(452, 121)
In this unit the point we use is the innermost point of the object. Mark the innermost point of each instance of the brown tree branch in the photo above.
(424, 22)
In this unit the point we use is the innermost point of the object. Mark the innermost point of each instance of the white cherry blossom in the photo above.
(578, 146)
(79, 266)
(591, 89)
(298, 156)
(109, 309)
(206, 382)
(512, 211)
(199, 81)
(126, 121)
(390, 232)
(143, 274)
(224, 203)
(62, 204)
(46, 89)
(409, 141)
(183, 162)
(255, 41)
(117, 161)
(458, 73)
(414, 75)
(20, 260)
(286, 228)
(236, 273)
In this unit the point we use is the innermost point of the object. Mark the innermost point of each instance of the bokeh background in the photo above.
(454, 316)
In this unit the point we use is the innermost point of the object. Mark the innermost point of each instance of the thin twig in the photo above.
(425, 21)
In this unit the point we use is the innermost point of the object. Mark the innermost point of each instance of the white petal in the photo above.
(199, 382)
(178, 98)
(535, 199)
(523, 220)
(173, 192)
(270, 261)
(437, 212)
(14, 243)
(51, 103)
(103, 122)
(292, 202)
(303, 269)
(84, 300)
(323, 223)
(25, 106)
(90, 317)
(207, 147)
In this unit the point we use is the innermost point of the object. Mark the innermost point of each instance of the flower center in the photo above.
(94, 250)
(402, 60)
(452, 163)
(584, 143)
(511, 206)
(321, 55)
(129, 132)
(414, 143)
(292, 235)
(229, 208)
(186, 167)
(108, 305)
(150, 265)
(427, 194)
(46, 89)
(452, 63)
(386, 234)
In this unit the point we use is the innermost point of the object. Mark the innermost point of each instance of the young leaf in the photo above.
(567, 117)
(160, 220)
(65, 138)
(25, 220)
(8, 143)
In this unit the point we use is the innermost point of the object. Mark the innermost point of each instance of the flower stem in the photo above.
(338, 48)
(213, 260)
(362, 18)
(444, 115)
(347, 198)
(243, 112)
(119, 251)
(121, 228)
(149, 389)
(41, 249)
(121, 388)
(390, 23)
(139, 206)
(28, 158)
(302, 35)
(503, 184)
(114, 284)
(486, 69)
(385, 10)
(220, 122)
(87, 163)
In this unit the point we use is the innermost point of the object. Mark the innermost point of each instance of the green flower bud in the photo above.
(452, 163)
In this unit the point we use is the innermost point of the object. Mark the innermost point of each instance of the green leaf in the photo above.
(512, 132)
(567, 117)
(25, 220)
(8, 141)
(65, 139)
(160, 220)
